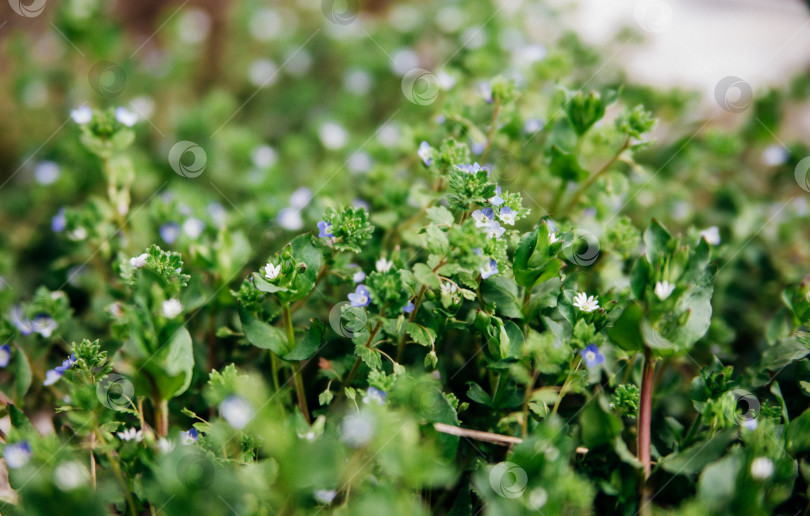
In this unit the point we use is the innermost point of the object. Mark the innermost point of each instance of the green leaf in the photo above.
(261, 334)
(797, 435)
(436, 240)
(478, 395)
(599, 425)
(266, 286)
(784, 352)
(426, 276)
(421, 334)
(566, 166)
(440, 215)
(19, 420)
(503, 292)
(179, 362)
(696, 457)
(310, 344)
(656, 240)
(23, 376)
(304, 251)
(368, 355)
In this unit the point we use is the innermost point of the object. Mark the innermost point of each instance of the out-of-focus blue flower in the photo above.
(592, 356)
(51, 377)
(375, 395)
(359, 276)
(169, 232)
(59, 222)
(360, 297)
(17, 455)
(5, 355)
(425, 154)
(408, 308)
(189, 437)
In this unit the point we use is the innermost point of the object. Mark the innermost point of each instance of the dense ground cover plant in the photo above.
(332, 280)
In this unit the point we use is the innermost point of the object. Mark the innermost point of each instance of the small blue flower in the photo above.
(358, 277)
(5, 355)
(67, 363)
(360, 297)
(425, 154)
(169, 232)
(17, 455)
(375, 395)
(325, 229)
(471, 169)
(507, 215)
(44, 325)
(493, 229)
(483, 217)
(360, 203)
(533, 125)
(497, 200)
(190, 437)
(20, 321)
(59, 222)
(592, 356)
(408, 308)
(51, 377)
(477, 147)
(486, 91)
(490, 269)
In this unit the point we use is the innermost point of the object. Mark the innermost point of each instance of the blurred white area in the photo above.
(696, 43)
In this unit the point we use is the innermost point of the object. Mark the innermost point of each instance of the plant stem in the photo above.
(297, 369)
(93, 458)
(274, 369)
(496, 110)
(565, 385)
(162, 418)
(416, 305)
(116, 467)
(356, 365)
(644, 420)
(524, 424)
(592, 179)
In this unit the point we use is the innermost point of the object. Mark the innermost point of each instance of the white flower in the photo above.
(82, 115)
(357, 429)
(193, 227)
(264, 156)
(17, 455)
(711, 235)
(130, 434)
(507, 215)
(171, 308)
(125, 116)
(165, 445)
(761, 468)
(585, 302)
(750, 424)
(325, 496)
(271, 271)
(663, 289)
(46, 172)
(69, 475)
(139, 261)
(236, 411)
(384, 265)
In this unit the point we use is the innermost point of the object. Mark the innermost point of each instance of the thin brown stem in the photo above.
(644, 420)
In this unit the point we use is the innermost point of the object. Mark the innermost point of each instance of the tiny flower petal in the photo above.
(358, 277)
(490, 269)
(17, 455)
(125, 116)
(5, 355)
(171, 308)
(170, 232)
(374, 395)
(507, 215)
(585, 302)
(81, 115)
(663, 289)
(51, 377)
(383, 265)
(408, 308)
(592, 356)
(139, 261)
(325, 229)
(360, 297)
(424, 153)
